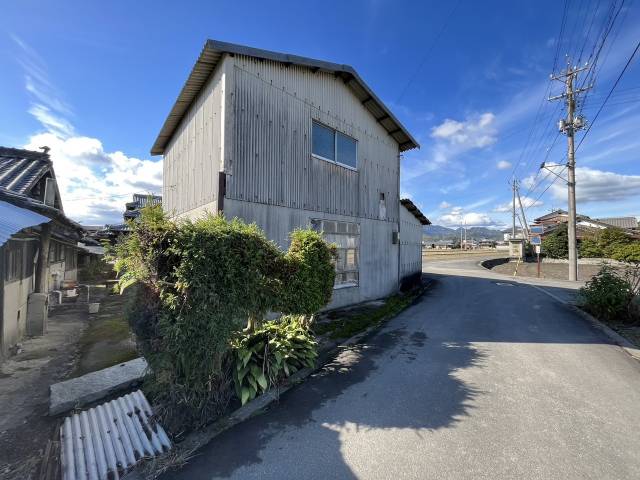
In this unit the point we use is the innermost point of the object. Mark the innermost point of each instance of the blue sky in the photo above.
(95, 80)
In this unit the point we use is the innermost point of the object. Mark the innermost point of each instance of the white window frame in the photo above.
(335, 147)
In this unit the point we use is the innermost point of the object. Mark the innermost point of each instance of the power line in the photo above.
(428, 52)
(609, 95)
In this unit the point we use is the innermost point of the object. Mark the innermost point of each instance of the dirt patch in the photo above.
(555, 271)
(25, 426)
(108, 340)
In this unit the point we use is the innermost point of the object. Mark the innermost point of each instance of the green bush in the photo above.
(608, 295)
(627, 253)
(197, 283)
(556, 244)
(589, 248)
(266, 356)
(309, 274)
(610, 239)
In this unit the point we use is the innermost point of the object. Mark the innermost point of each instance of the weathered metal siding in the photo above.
(378, 268)
(410, 243)
(193, 157)
(273, 107)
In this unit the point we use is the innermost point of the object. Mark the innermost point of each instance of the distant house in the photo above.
(587, 226)
(38, 243)
(287, 141)
(630, 223)
(140, 201)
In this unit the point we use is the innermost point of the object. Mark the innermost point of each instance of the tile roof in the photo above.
(21, 170)
(620, 222)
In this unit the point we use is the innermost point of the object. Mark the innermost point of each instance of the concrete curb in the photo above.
(200, 438)
(618, 339)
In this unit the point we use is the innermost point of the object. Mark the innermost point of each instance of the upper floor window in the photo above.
(333, 146)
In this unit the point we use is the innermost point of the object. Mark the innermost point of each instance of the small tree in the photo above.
(556, 244)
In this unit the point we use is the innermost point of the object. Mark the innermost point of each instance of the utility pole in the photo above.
(569, 126)
(513, 209)
(524, 218)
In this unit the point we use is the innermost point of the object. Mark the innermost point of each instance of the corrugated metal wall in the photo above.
(274, 105)
(410, 243)
(378, 259)
(193, 156)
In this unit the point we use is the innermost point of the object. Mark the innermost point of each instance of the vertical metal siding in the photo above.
(107, 441)
(274, 105)
(193, 158)
(410, 243)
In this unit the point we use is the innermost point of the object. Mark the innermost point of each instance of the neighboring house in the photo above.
(587, 226)
(32, 221)
(630, 223)
(286, 141)
(140, 201)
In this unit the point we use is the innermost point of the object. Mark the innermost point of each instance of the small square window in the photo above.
(323, 142)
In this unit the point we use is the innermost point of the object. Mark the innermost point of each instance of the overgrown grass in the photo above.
(350, 325)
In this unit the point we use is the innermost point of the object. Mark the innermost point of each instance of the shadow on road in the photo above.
(405, 377)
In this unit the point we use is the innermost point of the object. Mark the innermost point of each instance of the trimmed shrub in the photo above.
(556, 244)
(265, 357)
(308, 274)
(197, 283)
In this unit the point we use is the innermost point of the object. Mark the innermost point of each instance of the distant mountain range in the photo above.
(438, 232)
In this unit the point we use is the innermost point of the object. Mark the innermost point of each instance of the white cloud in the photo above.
(527, 202)
(457, 216)
(470, 219)
(94, 184)
(503, 165)
(599, 186)
(475, 132)
(444, 205)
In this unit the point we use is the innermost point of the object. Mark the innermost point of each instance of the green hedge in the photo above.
(197, 284)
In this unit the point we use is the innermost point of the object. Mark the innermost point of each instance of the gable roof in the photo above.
(411, 207)
(214, 50)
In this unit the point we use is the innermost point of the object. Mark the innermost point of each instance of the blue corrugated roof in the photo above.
(13, 219)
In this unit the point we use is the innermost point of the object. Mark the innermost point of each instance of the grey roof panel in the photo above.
(14, 218)
(213, 51)
(21, 169)
(415, 211)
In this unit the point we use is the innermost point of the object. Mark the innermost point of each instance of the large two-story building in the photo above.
(286, 141)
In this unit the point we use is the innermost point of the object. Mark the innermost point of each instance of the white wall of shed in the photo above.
(410, 243)
(193, 157)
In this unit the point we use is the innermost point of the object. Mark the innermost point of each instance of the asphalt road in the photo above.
(483, 378)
